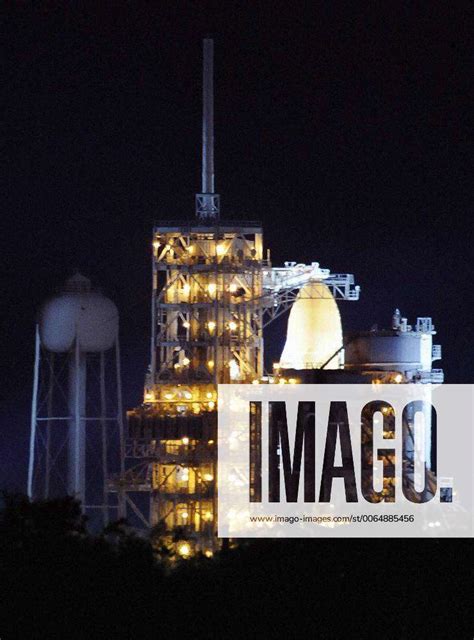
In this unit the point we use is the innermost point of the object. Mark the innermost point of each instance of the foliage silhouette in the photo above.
(59, 581)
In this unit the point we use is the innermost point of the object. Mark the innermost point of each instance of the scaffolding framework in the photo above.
(77, 440)
(213, 294)
(207, 316)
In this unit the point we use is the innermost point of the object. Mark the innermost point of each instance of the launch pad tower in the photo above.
(214, 291)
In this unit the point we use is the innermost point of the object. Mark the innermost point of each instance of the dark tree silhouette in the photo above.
(59, 581)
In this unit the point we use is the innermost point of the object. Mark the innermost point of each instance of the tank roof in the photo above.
(77, 284)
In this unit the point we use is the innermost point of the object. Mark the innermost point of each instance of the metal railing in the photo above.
(207, 223)
(436, 352)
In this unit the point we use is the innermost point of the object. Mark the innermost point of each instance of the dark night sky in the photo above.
(343, 127)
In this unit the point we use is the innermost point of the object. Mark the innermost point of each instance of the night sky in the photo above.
(344, 128)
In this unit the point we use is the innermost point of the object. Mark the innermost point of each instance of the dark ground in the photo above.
(61, 583)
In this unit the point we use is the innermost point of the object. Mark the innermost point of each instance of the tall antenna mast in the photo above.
(207, 202)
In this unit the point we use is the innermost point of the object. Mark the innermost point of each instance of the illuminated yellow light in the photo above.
(209, 395)
(282, 381)
(177, 365)
(186, 361)
(186, 324)
(292, 381)
(188, 395)
(220, 249)
(211, 404)
(185, 515)
(208, 477)
(255, 381)
(234, 370)
(398, 378)
(208, 515)
(186, 289)
(156, 244)
(184, 550)
(210, 364)
(232, 325)
(208, 553)
(233, 287)
(169, 396)
(190, 248)
(149, 395)
(210, 442)
(212, 287)
(211, 326)
(196, 408)
(276, 366)
(185, 440)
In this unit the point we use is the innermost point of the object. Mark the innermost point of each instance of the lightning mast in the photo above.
(207, 202)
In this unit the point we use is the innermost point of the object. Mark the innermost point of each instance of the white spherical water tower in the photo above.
(75, 422)
(78, 313)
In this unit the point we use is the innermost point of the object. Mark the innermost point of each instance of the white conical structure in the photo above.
(314, 330)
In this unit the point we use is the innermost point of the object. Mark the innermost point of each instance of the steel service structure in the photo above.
(214, 291)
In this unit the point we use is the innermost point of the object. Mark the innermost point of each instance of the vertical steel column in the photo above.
(154, 279)
(34, 408)
(77, 407)
(103, 424)
(208, 117)
(47, 479)
(121, 493)
(207, 202)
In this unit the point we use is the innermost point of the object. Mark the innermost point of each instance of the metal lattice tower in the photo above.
(213, 293)
(77, 432)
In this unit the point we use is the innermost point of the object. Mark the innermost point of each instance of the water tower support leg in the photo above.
(47, 476)
(121, 493)
(34, 408)
(77, 426)
(103, 423)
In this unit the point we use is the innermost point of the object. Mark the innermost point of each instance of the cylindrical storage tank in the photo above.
(314, 330)
(388, 351)
(78, 312)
